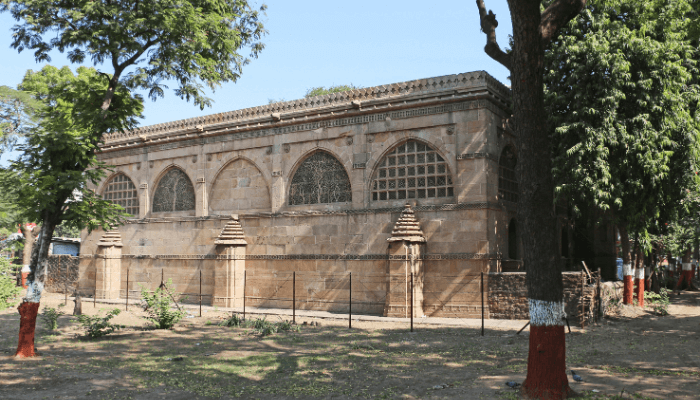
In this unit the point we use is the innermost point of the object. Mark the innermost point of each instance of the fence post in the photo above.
(411, 301)
(65, 285)
(127, 289)
(244, 281)
(482, 303)
(294, 297)
(350, 303)
(200, 293)
(583, 316)
(598, 296)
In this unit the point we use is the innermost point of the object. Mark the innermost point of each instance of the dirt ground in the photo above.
(637, 355)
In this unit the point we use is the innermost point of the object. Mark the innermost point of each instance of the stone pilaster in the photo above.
(108, 274)
(230, 265)
(405, 257)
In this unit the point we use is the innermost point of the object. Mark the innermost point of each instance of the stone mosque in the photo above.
(408, 178)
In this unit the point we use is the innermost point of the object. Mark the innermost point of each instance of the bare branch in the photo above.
(488, 26)
(557, 15)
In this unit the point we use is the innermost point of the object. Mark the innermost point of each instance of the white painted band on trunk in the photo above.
(546, 313)
(34, 289)
(26, 269)
(640, 273)
(687, 266)
(627, 270)
(672, 267)
(647, 271)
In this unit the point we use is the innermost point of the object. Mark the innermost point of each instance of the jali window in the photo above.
(174, 192)
(121, 190)
(507, 182)
(413, 170)
(320, 179)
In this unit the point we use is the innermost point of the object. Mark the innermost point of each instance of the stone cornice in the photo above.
(354, 102)
(112, 150)
(477, 205)
(445, 256)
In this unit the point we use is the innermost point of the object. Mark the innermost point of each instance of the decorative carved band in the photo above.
(477, 205)
(361, 119)
(471, 156)
(447, 256)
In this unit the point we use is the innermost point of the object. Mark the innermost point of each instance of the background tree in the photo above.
(321, 90)
(533, 30)
(622, 106)
(143, 43)
(17, 116)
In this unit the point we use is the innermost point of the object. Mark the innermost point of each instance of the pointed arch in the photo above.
(507, 180)
(412, 169)
(320, 178)
(120, 189)
(174, 192)
(239, 185)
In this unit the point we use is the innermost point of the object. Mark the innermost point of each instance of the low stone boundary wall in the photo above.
(507, 296)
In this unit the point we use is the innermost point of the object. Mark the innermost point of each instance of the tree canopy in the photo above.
(17, 116)
(321, 90)
(622, 105)
(194, 43)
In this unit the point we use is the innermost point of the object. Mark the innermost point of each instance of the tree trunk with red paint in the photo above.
(27, 323)
(686, 274)
(627, 268)
(35, 286)
(532, 31)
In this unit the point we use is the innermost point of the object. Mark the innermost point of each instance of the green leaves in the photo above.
(194, 43)
(622, 100)
(58, 159)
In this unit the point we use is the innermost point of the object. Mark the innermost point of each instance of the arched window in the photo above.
(413, 170)
(174, 192)
(507, 182)
(320, 179)
(512, 240)
(121, 190)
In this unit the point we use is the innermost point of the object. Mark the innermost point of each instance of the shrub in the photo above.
(50, 318)
(159, 306)
(9, 291)
(97, 326)
(658, 302)
(234, 321)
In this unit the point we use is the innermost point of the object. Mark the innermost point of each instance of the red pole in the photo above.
(411, 301)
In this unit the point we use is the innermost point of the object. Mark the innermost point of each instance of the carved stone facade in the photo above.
(318, 185)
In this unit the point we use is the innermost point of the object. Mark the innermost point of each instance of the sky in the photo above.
(322, 43)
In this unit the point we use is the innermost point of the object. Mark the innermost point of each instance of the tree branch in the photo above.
(488, 26)
(557, 15)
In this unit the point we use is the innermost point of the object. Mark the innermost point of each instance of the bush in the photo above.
(234, 321)
(159, 307)
(97, 326)
(658, 302)
(50, 318)
(9, 291)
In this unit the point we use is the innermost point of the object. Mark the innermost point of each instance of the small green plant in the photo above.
(97, 326)
(658, 302)
(50, 317)
(234, 321)
(159, 306)
(9, 291)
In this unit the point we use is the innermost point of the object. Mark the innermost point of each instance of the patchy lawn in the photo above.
(645, 357)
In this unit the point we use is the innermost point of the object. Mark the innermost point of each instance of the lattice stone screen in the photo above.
(413, 170)
(121, 190)
(174, 193)
(320, 179)
(507, 182)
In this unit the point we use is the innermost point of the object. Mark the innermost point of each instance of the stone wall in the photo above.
(507, 297)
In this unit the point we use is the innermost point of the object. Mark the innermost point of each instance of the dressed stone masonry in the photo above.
(320, 187)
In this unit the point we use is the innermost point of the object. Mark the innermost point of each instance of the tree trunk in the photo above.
(35, 281)
(546, 367)
(627, 268)
(29, 239)
(686, 275)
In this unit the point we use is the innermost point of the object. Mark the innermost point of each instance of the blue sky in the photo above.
(322, 43)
